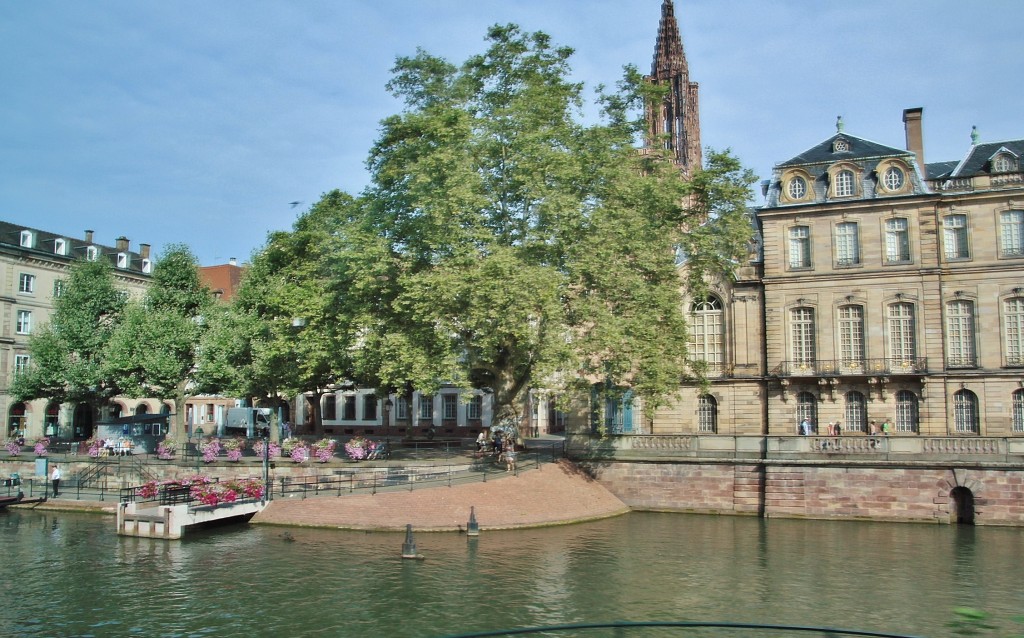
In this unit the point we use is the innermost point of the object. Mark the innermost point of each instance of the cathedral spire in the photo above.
(675, 123)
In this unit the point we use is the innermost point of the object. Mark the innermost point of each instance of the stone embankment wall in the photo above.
(820, 491)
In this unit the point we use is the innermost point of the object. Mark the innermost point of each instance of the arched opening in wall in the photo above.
(51, 418)
(141, 408)
(83, 421)
(961, 501)
(16, 420)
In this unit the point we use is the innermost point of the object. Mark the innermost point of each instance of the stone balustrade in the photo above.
(894, 449)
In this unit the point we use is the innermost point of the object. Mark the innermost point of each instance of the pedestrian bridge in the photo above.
(171, 522)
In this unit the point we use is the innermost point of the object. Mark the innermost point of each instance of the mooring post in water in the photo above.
(472, 527)
(409, 546)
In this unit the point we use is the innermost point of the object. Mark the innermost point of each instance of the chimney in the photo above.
(88, 236)
(144, 251)
(122, 244)
(232, 262)
(915, 141)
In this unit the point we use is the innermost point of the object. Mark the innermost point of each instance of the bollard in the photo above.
(472, 527)
(409, 546)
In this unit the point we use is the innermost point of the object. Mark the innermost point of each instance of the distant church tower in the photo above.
(676, 121)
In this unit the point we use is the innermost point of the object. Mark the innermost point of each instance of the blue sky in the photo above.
(198, 122)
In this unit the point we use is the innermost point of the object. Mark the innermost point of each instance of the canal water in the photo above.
(64, 574)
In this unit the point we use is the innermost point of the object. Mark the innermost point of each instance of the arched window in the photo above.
(16, 420)
(906, 411)
(166, 408)
(807, 409)
(856, 412)
(707, 414)
(707, 334)
(141, 408)
(1018, 410)
(51, 418)
(965, 412)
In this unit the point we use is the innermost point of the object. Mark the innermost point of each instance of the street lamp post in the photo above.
(199, 441)
(266, 467)
(387, 427)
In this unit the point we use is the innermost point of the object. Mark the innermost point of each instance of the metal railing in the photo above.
(376, 478)
(625, 628)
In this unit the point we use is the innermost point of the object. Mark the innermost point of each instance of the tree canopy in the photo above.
(513, 244)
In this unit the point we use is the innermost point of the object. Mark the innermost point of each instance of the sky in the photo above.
(199, 122)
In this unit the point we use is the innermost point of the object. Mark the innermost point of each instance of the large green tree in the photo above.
(509, 243)
(68, 353)
(153, 351)
(289, 331)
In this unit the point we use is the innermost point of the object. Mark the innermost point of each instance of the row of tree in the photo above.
(503, 243)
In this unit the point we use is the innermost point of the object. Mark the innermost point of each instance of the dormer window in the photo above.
(60, 247)
(27, 239)
(147, 266)
(840, 146)
(122, 260)
(1003, 164)
(91, 253)
(843, 184)
(893, 178)
(797, 188)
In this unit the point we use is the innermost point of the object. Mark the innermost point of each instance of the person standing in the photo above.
(55, 477)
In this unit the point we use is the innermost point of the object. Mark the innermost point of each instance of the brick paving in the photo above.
(557, 493)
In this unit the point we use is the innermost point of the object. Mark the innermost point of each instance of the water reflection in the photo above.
(72, 576)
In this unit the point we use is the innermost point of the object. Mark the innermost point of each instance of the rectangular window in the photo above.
(60, 247)
(800, 247)
(451, 406)
(26, 283)
(122, 260)
(349, 408)
(24, 325)
(21, 362)
(1011, 233)
(27, 240)
(58, 288)
(1013, 331)
(802, 335)
(330, 408)
(475, 408)
(851, 335)
(897, 241)
(401, 409)
(369, 407)
(960, 334)
(954, 235)
(901, 332)
(847, 244)
(426, 408)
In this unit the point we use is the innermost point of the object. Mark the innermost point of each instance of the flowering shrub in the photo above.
(299, 452)
(258, 448)
(12, 447)
(152, 489)
(164, 450)
(357, 448)
(40, 446)
(323, 449)
(227, 492)
(93, 447)
(210, 449)
(234, 447)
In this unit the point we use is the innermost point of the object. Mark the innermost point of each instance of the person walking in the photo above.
(55, 477)
(510, 454)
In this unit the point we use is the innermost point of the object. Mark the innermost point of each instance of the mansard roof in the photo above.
(44, 245)
(858, 149)
(978, 160)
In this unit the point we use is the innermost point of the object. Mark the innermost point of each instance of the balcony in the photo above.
(851, 367)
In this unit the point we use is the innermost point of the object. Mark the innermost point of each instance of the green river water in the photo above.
(68, 574)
